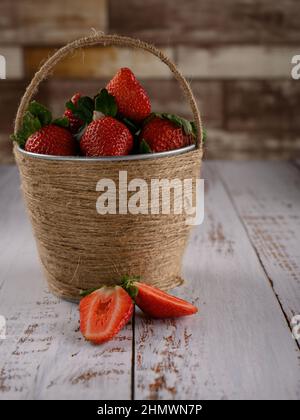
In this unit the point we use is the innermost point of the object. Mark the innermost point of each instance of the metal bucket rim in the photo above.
(109, 158)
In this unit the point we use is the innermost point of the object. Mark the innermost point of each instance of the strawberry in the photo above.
(51, 140)
(162, 132)
(106, 137)
(156, 303)
(40, 134)
(104, 312)
(75, 123)
(132, 99)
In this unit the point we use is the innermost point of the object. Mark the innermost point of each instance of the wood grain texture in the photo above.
(24, 22)
(239, 345)
(208, 22)
(6, 155)
(250, 145)
(11, 92)
(262, 105)
(236, 62)
(267, 198)
(97, 62)
(14, 61)
(44, 355)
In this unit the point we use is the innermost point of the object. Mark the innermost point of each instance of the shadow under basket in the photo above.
(82, 249)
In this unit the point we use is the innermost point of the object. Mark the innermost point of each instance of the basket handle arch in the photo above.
(107, 40)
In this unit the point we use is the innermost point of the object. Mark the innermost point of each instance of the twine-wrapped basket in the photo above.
(81, 249)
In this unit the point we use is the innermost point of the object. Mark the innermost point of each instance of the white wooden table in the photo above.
(243, 266)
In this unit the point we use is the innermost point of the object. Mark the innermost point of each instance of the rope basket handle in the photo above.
(107, 40)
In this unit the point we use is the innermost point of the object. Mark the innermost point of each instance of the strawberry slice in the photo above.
(104, 312)
(156, 303)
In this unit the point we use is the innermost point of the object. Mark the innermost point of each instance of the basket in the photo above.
(80, 248)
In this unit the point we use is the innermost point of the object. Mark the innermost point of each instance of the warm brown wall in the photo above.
(236, 53)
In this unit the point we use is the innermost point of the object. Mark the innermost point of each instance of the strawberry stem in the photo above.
(128, 284)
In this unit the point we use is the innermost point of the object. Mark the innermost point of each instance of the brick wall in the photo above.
(236, 54)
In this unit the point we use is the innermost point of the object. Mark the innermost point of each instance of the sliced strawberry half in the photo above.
(104, 312)
(156, 303)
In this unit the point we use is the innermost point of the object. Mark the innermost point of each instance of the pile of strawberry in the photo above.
(116, 122)
(105, 311)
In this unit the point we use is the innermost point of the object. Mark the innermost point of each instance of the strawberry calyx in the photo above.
(106, 104)
(36, 117)
(128, 284)
(82, 109)
(204, 135)
(144, 147)
(187, 126)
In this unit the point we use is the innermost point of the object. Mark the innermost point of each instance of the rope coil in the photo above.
(80, 249)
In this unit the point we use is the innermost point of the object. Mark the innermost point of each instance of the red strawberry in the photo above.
(74, 122)
(40, 134)
(132, 99)
(161, 133)
(104, 313)
(51, 140)
(156, 303)
(106, 137)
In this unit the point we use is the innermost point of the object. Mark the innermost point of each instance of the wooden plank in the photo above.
(6, 155)
(267, 198)
(25, 23)
(261, 144)
(239, 346)
(13, 61)
(44, 355)
(208, 22)
(236, 61)
(11, 92)
(97, 62)
(277, 100)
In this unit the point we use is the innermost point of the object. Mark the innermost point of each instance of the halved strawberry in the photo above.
(155, 302)
(104, 312)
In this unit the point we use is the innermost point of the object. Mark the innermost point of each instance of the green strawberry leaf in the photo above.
(204, 135)
(71, 106)
(204, 132)
(30, 125)
(34, 119)
(144, 147)
(61, 122)
(106, 103)
(128, 284)
(133, 127)
(83, 109)
(41, 112)
(186, 125)
(194, 128)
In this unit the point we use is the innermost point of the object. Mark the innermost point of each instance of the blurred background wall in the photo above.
(236, 54)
